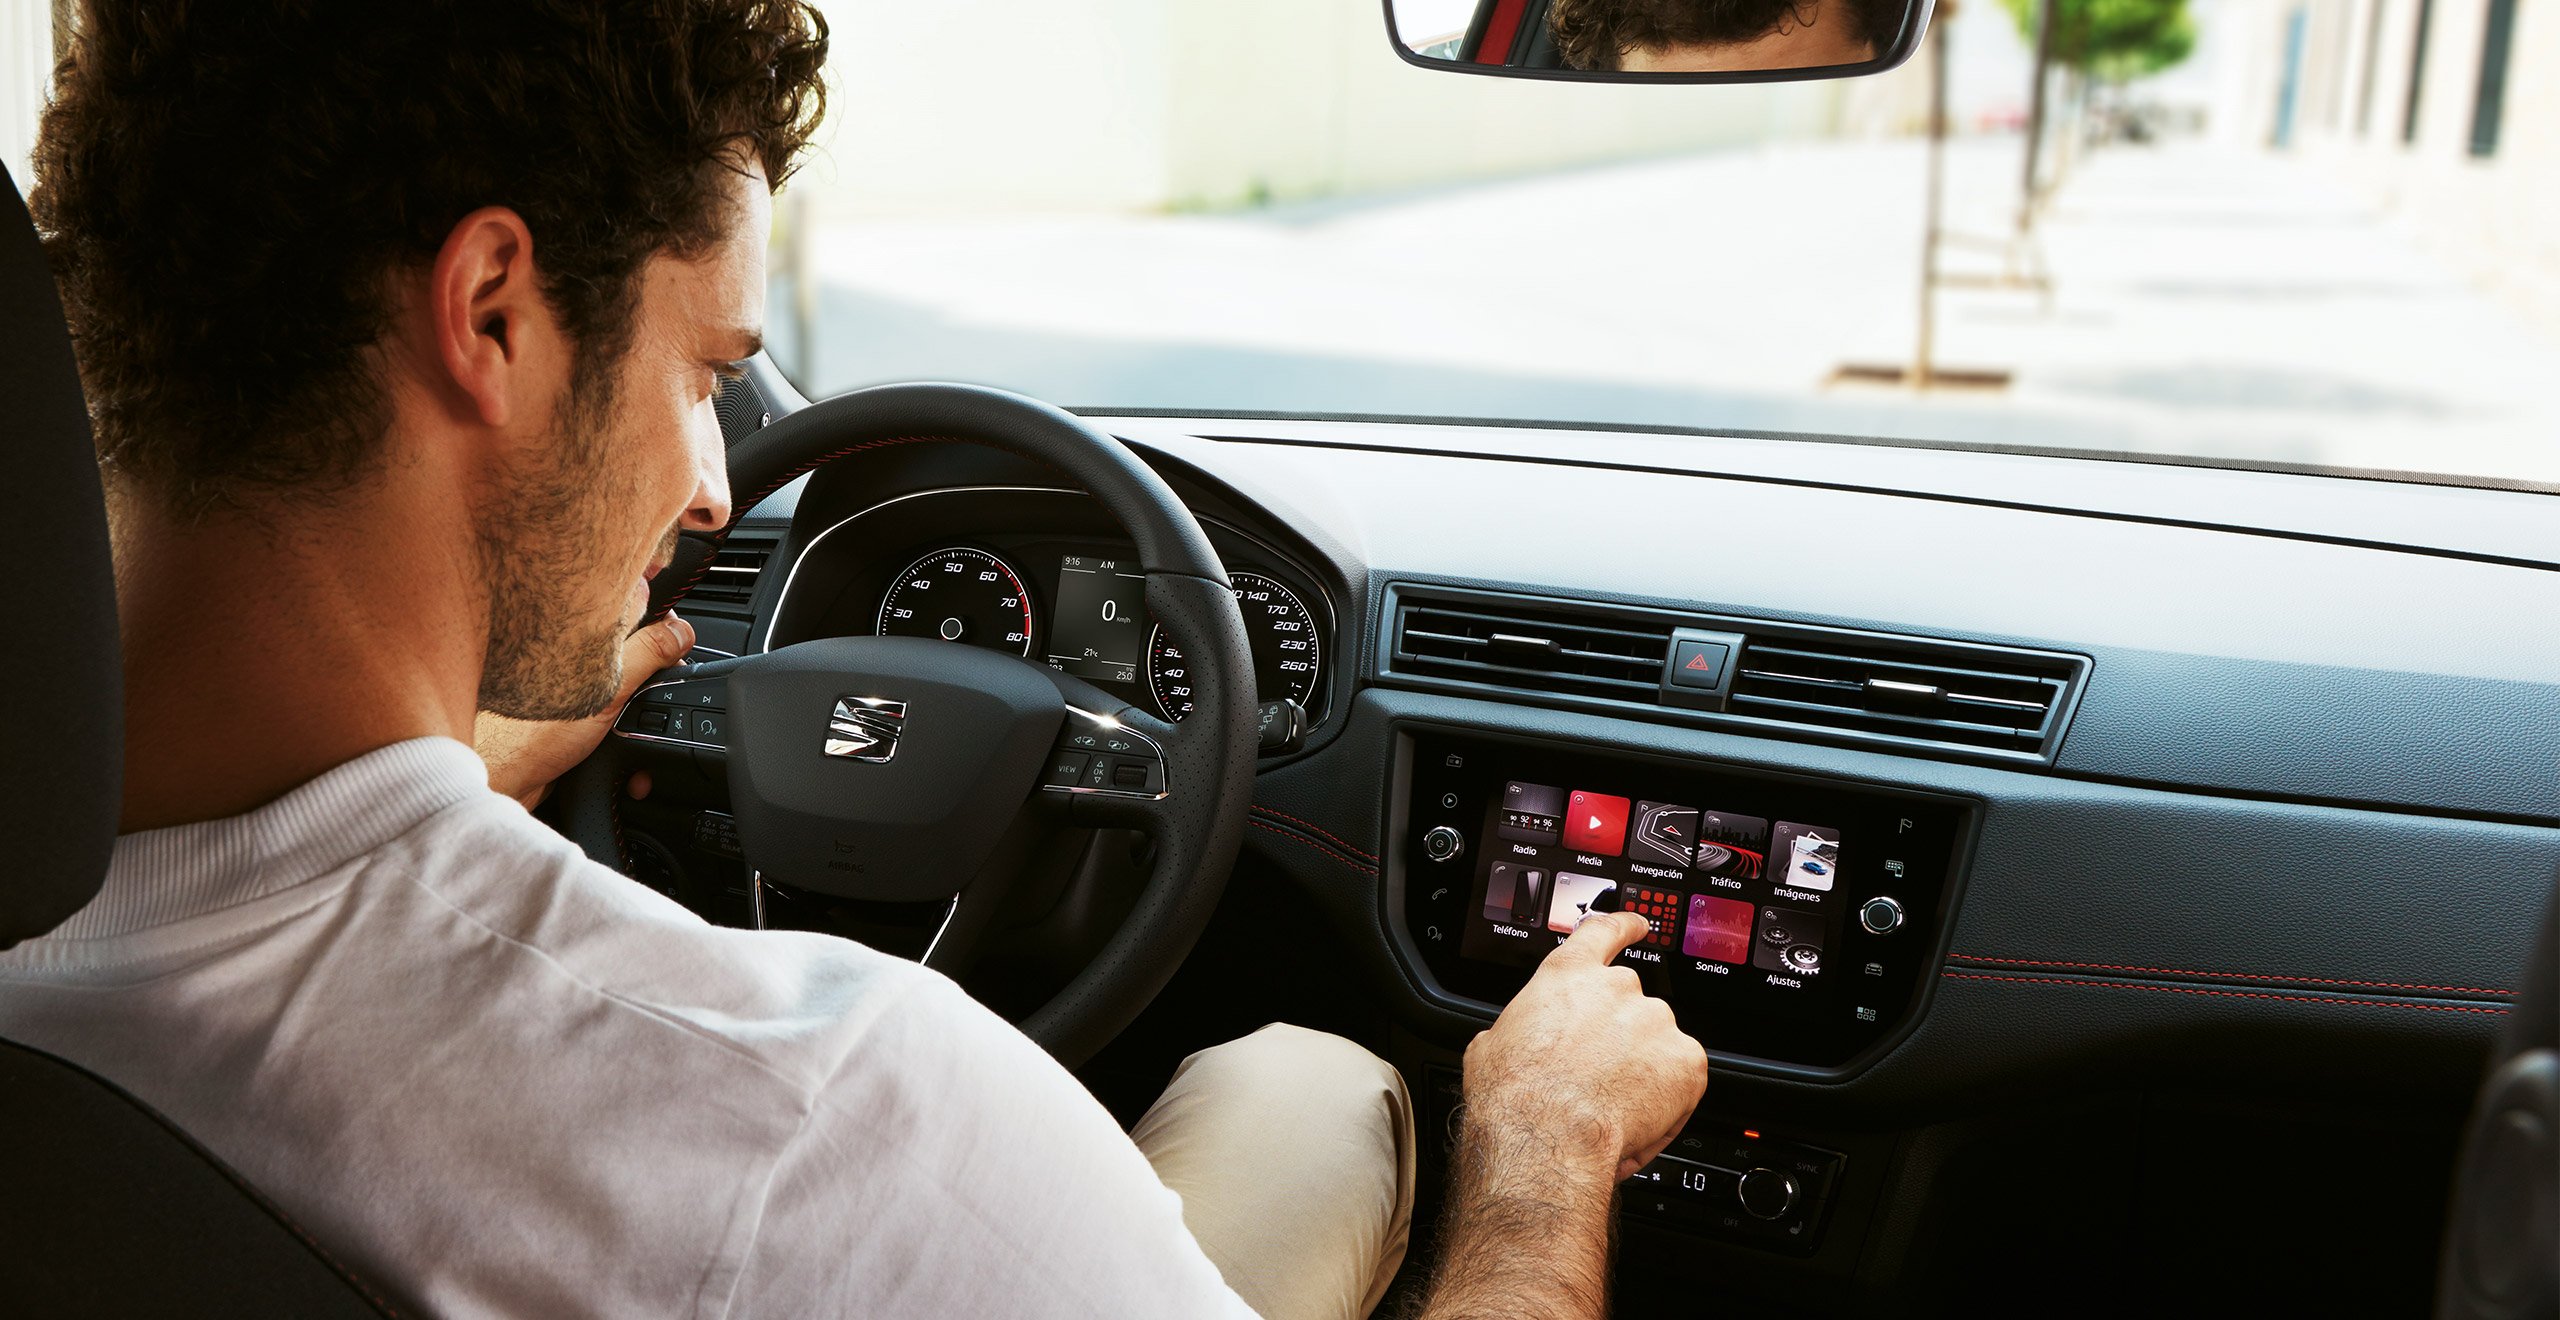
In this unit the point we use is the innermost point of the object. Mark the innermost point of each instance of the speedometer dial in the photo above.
(1286, 653)
(960, 595)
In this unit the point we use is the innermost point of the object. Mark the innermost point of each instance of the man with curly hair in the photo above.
(1711, 36)
(401, 326)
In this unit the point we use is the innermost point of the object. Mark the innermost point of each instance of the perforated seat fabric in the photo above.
(105, 1208)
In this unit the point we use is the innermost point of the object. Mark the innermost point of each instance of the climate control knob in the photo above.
(1766, 1193)
(1440, 843)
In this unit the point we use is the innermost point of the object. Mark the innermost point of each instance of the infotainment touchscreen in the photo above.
(1790, 918)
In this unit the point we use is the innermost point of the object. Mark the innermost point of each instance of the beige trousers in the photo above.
(1293, 1153)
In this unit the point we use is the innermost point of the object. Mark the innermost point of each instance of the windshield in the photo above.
(2280, 235)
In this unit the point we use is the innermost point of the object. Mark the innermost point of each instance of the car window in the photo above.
(2293, 236)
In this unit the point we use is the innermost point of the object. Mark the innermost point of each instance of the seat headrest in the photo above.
(62, 758)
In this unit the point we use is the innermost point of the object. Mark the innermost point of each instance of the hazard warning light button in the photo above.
(1698, 664)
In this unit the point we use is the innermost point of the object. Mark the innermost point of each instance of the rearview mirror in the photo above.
(1688, 41)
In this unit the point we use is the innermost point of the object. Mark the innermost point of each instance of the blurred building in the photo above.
(972, 106)
(2444, 110)
(977, 105)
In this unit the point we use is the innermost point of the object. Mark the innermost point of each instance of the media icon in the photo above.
(1732, 847)
(1531, 813)
(1807, 856)
(1719, 928)
(1789, 942)
(1595, 823)
(1664, 835)
(1573, 899)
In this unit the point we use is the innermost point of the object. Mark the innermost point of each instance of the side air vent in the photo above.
(728, 587)
(2004, 702)
(1541, 650)
(1789, 680)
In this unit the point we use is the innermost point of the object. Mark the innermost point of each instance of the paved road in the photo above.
(2234, 305)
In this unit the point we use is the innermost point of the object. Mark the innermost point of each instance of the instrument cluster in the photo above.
(1051, 590)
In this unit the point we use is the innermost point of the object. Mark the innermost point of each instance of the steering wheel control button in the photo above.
(1099, 754)
(1880, 915)
(1441, 843)
(694, 692)
(693, 712)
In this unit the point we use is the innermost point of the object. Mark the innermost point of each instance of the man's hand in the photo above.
(1579, 1082)
(1583, 1056)
(524, 756)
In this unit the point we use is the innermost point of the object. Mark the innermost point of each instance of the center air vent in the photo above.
(1792, 680)
(1890, 688)
(1539, 650)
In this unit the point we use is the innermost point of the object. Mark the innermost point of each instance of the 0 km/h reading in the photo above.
(1286, 655)
(960, 595)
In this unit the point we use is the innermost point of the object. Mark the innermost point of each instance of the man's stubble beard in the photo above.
(552, 653)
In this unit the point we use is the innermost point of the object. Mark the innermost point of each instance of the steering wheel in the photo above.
(916, 770)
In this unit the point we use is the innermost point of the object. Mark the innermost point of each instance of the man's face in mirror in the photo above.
(1793, 44)
(1719, 36)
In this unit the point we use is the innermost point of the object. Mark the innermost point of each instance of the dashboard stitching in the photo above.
(1295, 837)
(2231, 976)
(2227, 994)
(1312, 827)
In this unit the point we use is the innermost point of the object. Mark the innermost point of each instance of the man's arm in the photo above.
(1580, 1082)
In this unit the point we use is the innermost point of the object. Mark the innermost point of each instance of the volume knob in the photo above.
(1766, 1193)
(1440, 843)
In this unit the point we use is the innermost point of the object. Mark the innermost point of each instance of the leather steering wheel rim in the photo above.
(1199, 827)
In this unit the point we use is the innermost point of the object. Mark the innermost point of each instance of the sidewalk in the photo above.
(2224, 305)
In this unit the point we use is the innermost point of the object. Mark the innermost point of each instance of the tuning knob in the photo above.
(1766, 1193)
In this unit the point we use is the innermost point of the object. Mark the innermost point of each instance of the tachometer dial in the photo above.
(1286, 653)
(960, 595)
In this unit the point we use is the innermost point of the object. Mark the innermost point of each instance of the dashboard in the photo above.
(1969, 794)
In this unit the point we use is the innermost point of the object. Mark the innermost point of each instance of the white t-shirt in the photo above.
(498, 1079)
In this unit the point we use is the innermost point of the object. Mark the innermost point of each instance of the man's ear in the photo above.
(490, 322)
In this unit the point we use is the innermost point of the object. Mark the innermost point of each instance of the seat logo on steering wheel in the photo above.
(865, 728)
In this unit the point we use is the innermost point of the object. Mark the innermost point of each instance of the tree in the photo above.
(2113, 41)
